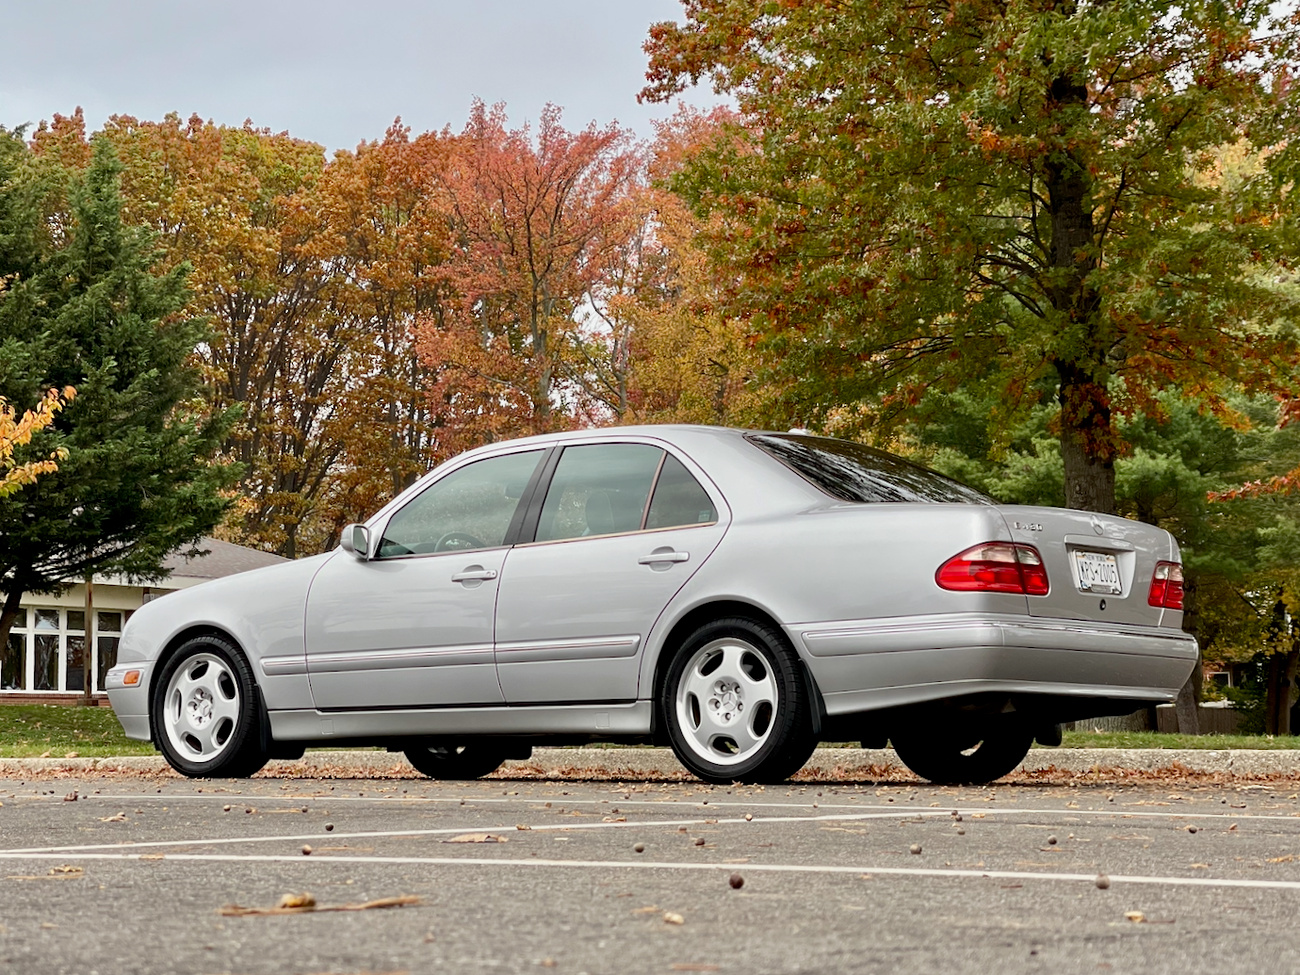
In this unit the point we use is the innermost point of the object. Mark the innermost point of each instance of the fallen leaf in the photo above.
(153, 856)
(1137, 917)
(1289, 858)
(234, 910)
(652, 909)
(71, 796)
(671, 918)
(119, 818)
(68, 870)
(522, 826)
(476, 838)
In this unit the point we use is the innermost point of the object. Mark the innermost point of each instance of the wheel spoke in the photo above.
(743, 735)
(699, 684)
(223, 707)
(762, 691)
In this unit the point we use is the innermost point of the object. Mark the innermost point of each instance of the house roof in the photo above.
(217, 559)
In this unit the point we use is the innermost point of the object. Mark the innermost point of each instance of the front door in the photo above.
(413, 626)
(622, 528)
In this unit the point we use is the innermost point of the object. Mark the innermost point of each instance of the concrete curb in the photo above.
(659, 762)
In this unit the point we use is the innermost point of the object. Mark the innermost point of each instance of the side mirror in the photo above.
(356, 540)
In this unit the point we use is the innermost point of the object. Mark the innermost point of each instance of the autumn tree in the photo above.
(17, 431)
(1008, 194)
(383, 205)
(678, 355)
(536, 219)
(82, 304)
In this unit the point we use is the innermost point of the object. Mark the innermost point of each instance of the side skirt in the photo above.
(597, 720)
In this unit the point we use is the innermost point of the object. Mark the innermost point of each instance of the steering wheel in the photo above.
(468, 541)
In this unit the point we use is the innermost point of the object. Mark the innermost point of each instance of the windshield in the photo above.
(854, 472)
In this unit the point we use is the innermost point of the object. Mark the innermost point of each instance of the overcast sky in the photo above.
(330, 71)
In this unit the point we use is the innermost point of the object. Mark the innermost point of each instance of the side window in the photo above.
(468, 509)
(679, 499)
(598, 489)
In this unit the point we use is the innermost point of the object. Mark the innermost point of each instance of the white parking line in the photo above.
(864, 871)
(863, 815)
(444, 831)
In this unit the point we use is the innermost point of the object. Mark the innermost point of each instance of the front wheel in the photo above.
(974, 757)
(207, 711)
(737, 705)
(456, 761)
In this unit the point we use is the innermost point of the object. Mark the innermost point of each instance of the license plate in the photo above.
(1097, 572)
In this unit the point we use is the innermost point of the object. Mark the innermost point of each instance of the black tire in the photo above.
(213, 728)
(951, 757)
(773, 740)
(456, 761)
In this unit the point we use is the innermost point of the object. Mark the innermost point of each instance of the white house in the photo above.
(44, 660)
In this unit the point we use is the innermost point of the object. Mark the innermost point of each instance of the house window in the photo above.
(47, 647)
(13, 676)
(110, 631)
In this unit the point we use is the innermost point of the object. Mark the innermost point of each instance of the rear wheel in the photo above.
(737, 705)
(973, 757)
(207, 711)
(465, 760)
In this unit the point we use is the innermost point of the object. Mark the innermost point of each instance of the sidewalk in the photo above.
(659, 763)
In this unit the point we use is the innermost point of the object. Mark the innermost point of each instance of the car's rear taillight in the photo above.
(995, 567)
(1166, 586)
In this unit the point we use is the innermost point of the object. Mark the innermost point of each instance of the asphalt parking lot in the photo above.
(143, 874)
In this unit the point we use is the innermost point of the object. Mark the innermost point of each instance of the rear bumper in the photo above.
(864, 665)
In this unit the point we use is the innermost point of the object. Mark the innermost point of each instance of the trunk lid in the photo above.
(1099, 566)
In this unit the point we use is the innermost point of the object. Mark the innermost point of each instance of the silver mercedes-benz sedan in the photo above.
(737, 595)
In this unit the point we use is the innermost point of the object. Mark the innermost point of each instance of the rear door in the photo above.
(620, 530)
(1099, 566)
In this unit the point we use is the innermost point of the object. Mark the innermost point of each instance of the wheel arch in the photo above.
(698, 616)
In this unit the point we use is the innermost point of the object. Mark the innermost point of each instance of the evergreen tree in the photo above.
(82, 305)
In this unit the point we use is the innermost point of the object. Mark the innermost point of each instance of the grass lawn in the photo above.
(56, 730)
(1155, 739)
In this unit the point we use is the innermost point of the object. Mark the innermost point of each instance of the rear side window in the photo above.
(598, 489)
(678, 499)
(854, 472)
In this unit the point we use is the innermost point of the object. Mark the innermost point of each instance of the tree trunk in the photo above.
(1279, 674)
(1087, 440)
(88, 651)
(1185, 707)
(1189, 696)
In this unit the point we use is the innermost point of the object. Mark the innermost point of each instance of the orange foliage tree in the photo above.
(536, 221)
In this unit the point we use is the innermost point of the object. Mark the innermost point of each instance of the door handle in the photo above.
(663, 555)
(474, 573)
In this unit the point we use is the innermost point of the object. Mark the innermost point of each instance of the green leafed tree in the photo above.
(1019, 193)
(82, 305)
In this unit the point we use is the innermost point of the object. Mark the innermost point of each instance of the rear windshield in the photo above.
(853, 472)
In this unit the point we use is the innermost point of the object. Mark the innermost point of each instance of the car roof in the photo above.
(721, 452)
